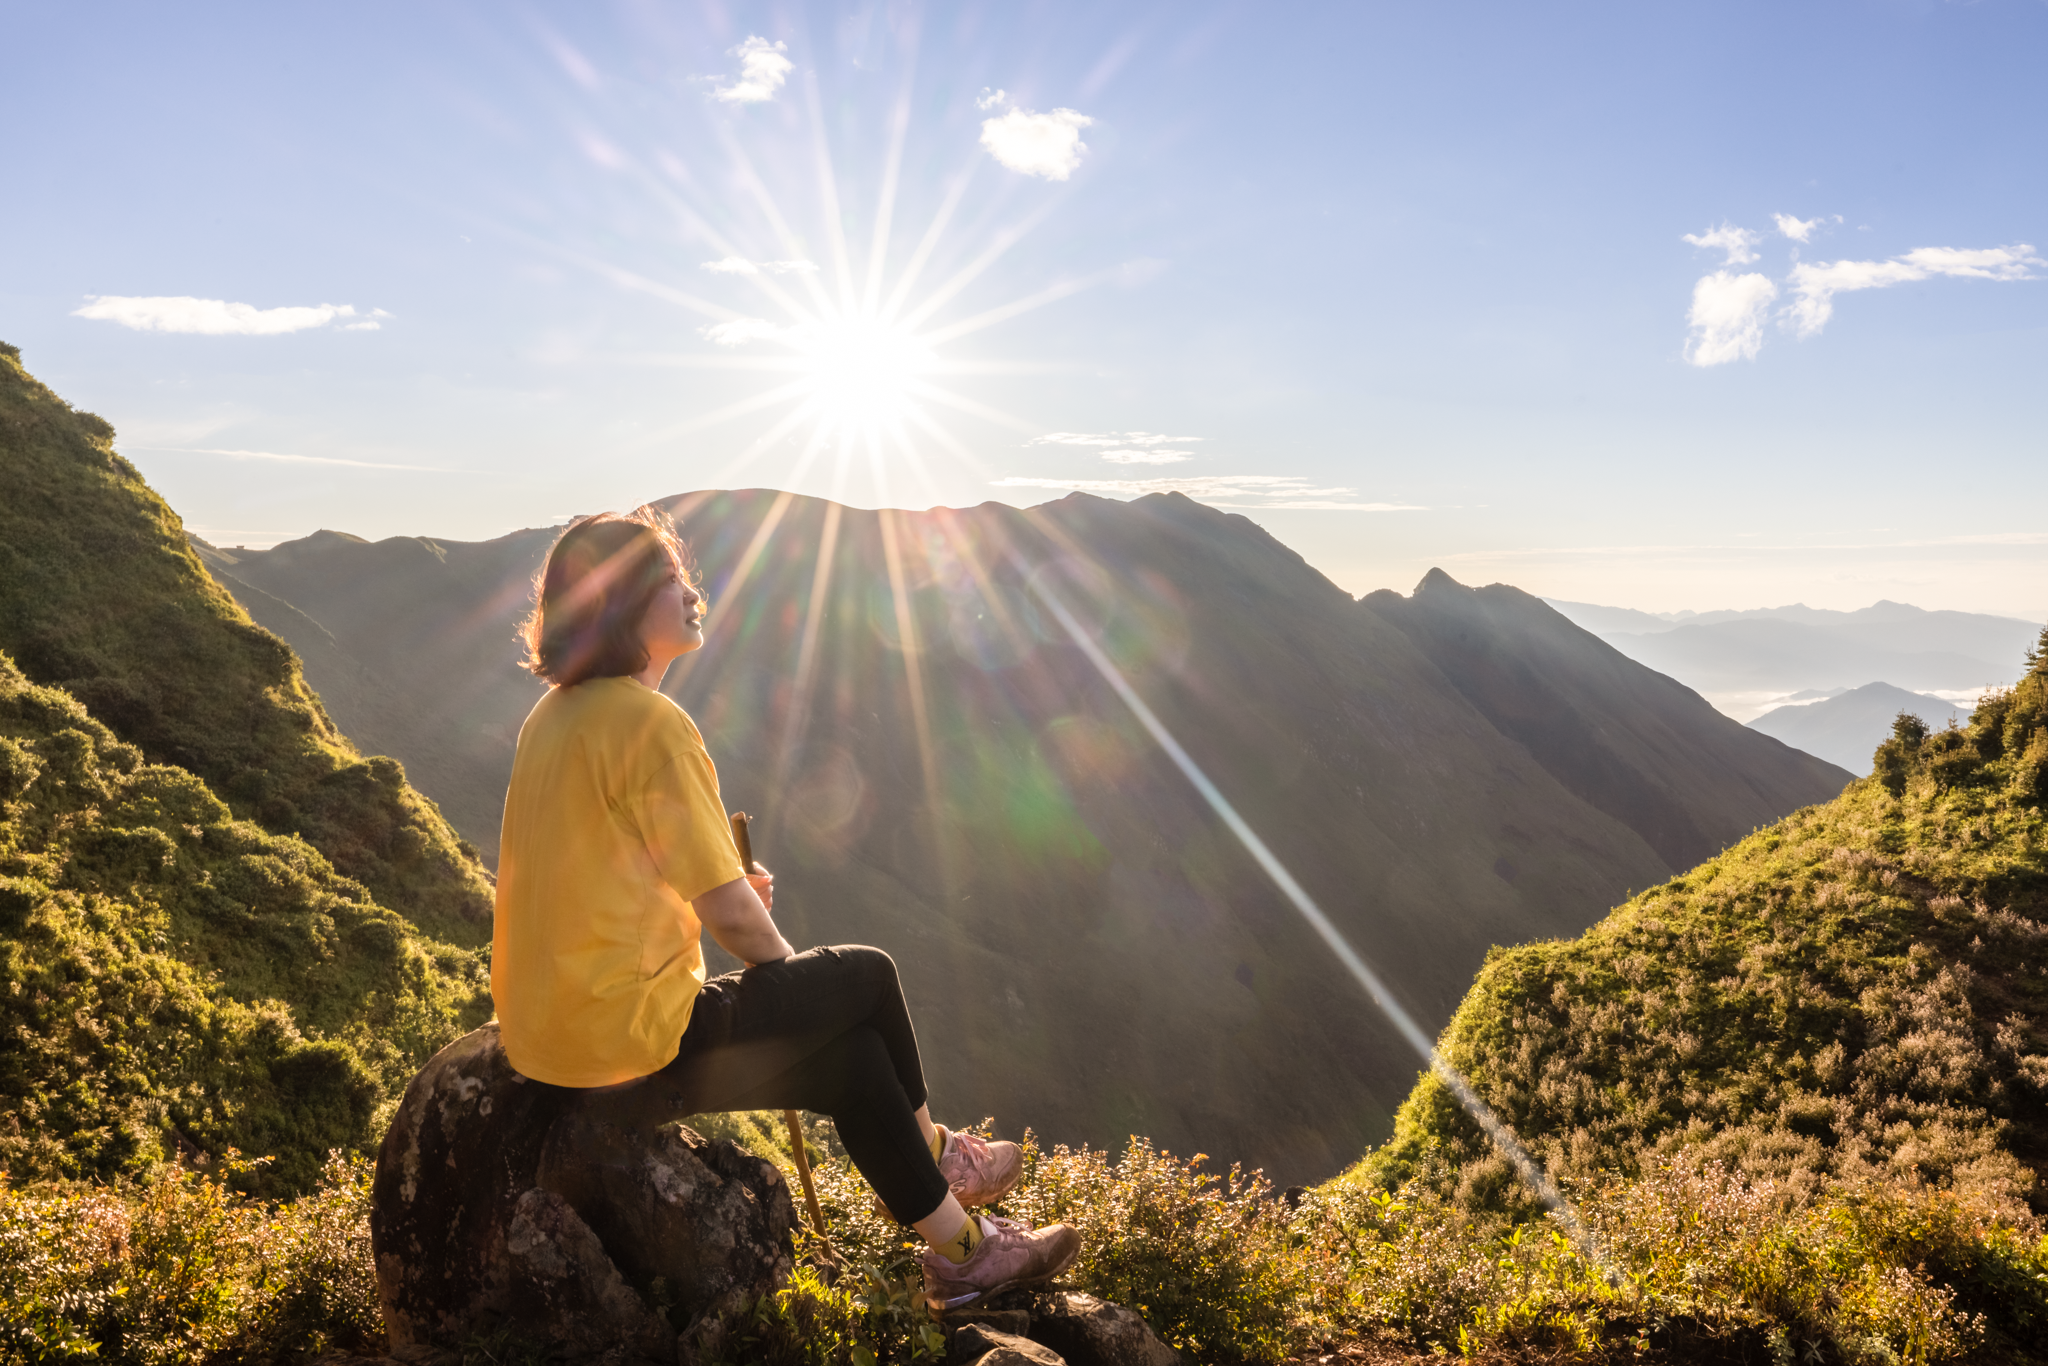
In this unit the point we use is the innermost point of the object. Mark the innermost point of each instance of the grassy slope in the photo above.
(1862, 988)
(177, 979)
(101, 595)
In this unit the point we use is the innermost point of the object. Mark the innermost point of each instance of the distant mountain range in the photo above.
(938, 769)
(1846, 726)
(1746, 662)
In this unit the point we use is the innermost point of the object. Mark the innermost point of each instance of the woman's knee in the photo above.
(868, 963)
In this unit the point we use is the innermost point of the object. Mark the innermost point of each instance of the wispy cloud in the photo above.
(739, 331)
(1046, 145)
(214, 317)
(1251, 491)
(1739, 243)
(1727, 317)
(991, 99)
(763, 69)
(1817, 283)
(289, 459)
(740, 265)
(1154, 456)
(1106, 439)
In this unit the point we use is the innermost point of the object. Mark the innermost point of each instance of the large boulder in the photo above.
(593, 1224)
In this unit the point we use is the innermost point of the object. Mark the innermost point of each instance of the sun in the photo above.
(859, 371)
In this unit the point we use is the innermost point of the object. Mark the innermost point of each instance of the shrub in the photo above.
(1208, 1258)
(181, 1269)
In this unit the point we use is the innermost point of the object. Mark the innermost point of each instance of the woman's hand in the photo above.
(763, 884)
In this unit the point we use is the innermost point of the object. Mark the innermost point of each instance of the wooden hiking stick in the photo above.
(741, 838)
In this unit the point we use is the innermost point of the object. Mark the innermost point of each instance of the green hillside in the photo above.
(101, 596)
(1859, 990)
(177, 982)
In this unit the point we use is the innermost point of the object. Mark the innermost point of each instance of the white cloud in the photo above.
(1265, 491)
(1105, 439)
(740, 331)
(1801, 229)
(740, 265)
(992, 99)
(1816, 284)
(210, 317)
(1148, 457)
(1739, 243)
(1046, 145)
(763, 69)
(369, 325)
(1727, 317)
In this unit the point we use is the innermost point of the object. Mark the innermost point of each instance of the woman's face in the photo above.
(674, 624)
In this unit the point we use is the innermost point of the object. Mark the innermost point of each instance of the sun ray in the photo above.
(958, 449)
(892, 173)
(973, 408)
(738, 408)
(929, 243)
(965, 551)
(913, 673)
(792, 246)
(748, 558)
(972, 271)
(921, 474)
(828, 196)
(789, 422)
(807, 649)
(1003, 312)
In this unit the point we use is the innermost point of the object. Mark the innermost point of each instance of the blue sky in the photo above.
(1409, 284)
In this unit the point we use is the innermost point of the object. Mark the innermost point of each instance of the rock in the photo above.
(981, 1345)
(591, 1225)
(1091, 1332)
(1015, 1322)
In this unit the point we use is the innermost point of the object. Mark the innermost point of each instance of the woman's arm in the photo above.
(738, 919)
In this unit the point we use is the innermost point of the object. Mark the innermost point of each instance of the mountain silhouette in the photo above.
(1644, 748)
(939, 769)
(1845, 729)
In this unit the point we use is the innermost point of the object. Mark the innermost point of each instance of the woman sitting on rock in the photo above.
(616, 850)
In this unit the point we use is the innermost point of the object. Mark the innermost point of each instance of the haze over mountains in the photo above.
(1746, 662)
(939, 770)
(1846, 726)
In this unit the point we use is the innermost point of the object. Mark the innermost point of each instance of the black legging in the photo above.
(825, 1031)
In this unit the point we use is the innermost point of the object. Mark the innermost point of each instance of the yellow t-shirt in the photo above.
(613, 826)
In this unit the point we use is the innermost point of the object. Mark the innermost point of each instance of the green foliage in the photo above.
(1860, 990)
(101, 595)
(176, 981)
(1207, 1258)
(180, 1269)
(1690, 1260)
(1693, 1257)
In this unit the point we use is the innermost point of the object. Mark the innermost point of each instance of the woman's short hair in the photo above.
(591, 594)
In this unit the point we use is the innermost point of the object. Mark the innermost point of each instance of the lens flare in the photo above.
(1530, 1170)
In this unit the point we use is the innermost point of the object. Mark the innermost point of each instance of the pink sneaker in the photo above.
(977, 1171)
(980, 1172)
(1010, 1256)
